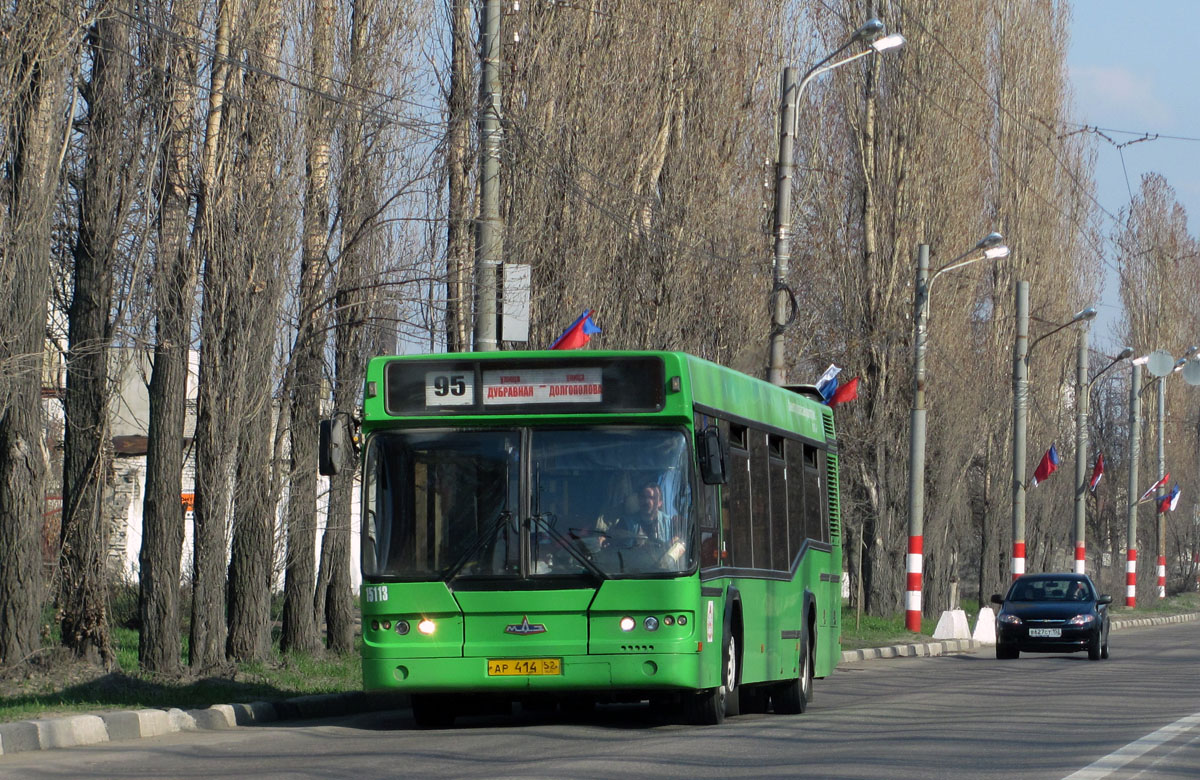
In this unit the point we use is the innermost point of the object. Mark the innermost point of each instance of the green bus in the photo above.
(582, 526)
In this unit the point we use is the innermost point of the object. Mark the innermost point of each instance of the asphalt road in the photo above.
(962, 716)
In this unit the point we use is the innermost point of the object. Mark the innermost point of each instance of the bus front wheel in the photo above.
(708, 708)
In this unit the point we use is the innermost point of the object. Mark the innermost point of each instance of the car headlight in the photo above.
(1082, 620)
(1009, 620)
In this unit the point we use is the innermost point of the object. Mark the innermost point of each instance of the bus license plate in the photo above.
(523, 666)
(1049, 633)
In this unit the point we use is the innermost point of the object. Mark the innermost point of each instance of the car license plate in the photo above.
(505, 667)
(1049, 633)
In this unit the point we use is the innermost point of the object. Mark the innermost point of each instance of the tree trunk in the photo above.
(174, 287)
(82, 595)
(459, 164)
(299, 619)
(222, 378)
(256, 496)
(32, 176)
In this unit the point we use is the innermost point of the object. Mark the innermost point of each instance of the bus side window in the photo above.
(814, 504)
(795, 498)
(736, 500)
(709, 511)
(760, 500)
(779, 508)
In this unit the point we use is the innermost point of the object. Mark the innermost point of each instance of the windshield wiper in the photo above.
(456, 568)
(540, 521)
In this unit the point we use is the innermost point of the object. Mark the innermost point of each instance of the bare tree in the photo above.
(104, 199)
(459, 164)
(222, 382)
(264, 202)
(305, 370)
(174, 63)
(33, 78)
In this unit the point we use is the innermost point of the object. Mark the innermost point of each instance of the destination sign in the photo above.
(543, 386)
(567, 384)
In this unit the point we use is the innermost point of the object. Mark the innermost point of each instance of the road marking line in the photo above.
(1135, 750)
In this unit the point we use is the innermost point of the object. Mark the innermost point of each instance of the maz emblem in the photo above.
(525, 628)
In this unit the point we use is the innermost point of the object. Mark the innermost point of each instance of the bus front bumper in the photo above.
(650, 672)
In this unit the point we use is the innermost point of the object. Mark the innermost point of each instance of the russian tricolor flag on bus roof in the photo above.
(578, 334)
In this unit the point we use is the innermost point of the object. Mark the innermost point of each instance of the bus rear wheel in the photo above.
(433, 712)
(792, 697)
(708, 708)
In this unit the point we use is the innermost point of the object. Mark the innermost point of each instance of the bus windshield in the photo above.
(599, 502)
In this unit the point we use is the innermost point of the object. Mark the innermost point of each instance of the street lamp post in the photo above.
(872, 33)
(991, 247)
(1021, 351)
(1160, 365)
(1083, 392)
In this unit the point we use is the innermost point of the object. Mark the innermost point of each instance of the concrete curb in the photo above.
(76, 730)
(950, 646)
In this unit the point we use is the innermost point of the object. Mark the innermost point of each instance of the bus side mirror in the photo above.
(711, 453)
(333, 448)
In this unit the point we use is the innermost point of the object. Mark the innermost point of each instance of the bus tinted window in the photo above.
(760, 500)
(814, 526)
(779, 511)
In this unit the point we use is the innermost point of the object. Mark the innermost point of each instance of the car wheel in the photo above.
(1104, 647)
(1007, 652)
(1094, 648)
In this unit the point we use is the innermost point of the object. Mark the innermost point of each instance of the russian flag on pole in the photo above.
(578, 334)
(844, 393)
(1169, 500)
(828, 383)
(1048, 466)
(1097, 472)
(1161, 483)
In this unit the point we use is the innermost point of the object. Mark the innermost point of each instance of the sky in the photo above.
(1133, 65)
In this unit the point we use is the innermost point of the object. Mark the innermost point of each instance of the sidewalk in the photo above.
(75, 730)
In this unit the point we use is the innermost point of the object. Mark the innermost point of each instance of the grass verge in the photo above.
(57, 684)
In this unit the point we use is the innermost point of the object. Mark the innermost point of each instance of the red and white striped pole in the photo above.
(1018, 561)
(1162, 576)
(1131, 578)
(1080, 558)
(912, 596)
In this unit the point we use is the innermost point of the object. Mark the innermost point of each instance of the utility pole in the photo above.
(1082, 393)
(783, 224)
(1160, 525)
(1020, 399)
(1135, 453)
(916, 451)
(489, 230)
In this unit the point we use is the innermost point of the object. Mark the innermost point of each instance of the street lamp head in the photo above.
(1124, 353)
(871, 29)
(888, 42)
(1086, 315)
(990, 240)
(996, 252)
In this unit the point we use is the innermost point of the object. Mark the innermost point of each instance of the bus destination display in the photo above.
(539, 386)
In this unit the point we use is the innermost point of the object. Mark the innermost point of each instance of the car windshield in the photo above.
(598, 503)
(1065, 589)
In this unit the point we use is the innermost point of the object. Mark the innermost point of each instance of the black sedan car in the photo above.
(1052, 613)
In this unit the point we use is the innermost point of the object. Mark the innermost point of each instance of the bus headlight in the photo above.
(651, 623)
(627, 623)
(427, 627)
